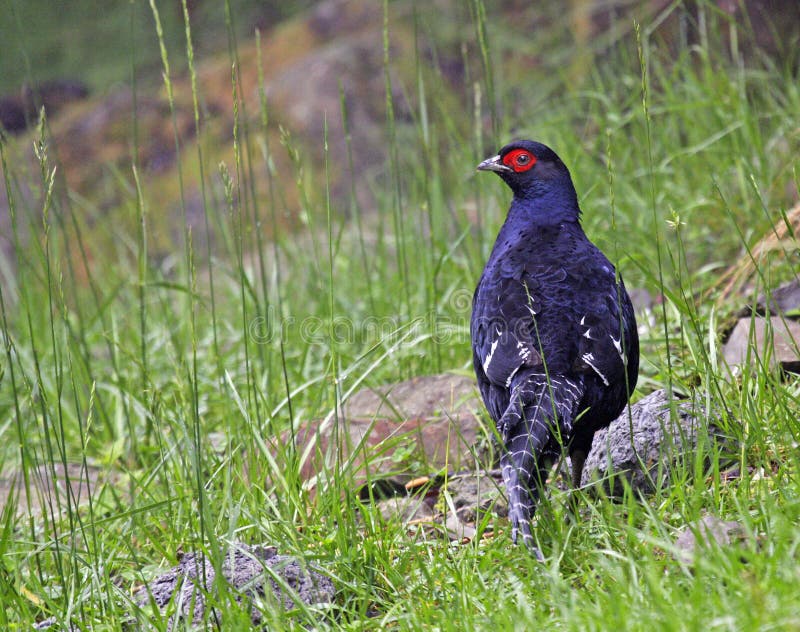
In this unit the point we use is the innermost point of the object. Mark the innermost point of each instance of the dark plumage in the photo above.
(554, 336)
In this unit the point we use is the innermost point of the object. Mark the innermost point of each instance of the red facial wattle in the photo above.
(519, 160)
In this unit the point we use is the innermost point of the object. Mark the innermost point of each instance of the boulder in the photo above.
(644, 445)
(397, 432)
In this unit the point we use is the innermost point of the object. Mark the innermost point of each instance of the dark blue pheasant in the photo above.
(554, 336)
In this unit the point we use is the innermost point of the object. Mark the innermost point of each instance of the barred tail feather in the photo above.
(540, 407)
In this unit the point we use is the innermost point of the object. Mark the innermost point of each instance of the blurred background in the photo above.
(450, 65)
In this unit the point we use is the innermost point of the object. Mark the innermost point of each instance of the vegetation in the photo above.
(43, 41)
(172, 377)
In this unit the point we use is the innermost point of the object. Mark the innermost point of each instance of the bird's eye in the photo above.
(519, 160)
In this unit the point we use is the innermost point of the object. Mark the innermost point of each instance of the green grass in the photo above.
(172, 376)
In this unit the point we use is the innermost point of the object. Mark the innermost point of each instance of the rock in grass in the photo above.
(453, 505)
(56, 487)
(782, 301)
(775, 340)
(254, 573)
(644, 448)
(393, 433)
(705, 531)
(405, 509)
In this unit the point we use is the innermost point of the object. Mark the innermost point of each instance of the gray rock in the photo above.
(783, 300)
(644, 447)
(405, 509)
(705, 531)
(450, 505)
(476, 493)
(775, 340)
(457, 529)
(51, 623)
(251, 572)
(472, 495)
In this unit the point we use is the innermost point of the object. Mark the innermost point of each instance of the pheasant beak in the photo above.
(494, 164)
